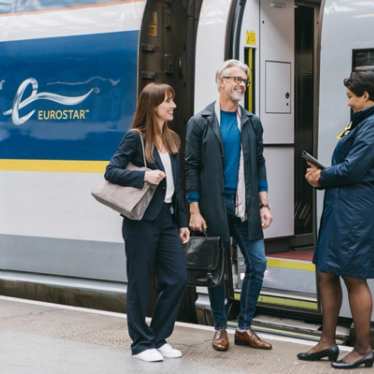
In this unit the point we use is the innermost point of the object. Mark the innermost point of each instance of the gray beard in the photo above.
(236, 97)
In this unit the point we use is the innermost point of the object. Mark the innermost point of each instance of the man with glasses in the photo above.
(226, 190)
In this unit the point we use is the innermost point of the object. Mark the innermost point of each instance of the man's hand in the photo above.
(266, 217)
(197, 222)
(184, 235)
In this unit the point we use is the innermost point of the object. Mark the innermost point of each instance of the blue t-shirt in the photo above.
(230, 136)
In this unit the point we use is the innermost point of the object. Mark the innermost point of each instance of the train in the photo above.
(70, 72)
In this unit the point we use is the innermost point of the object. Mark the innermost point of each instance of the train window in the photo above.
(363, 59)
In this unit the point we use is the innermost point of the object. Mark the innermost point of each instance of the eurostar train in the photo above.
(70, 71)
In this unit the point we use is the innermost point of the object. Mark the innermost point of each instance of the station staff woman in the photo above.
(154, 243)
(346, 238)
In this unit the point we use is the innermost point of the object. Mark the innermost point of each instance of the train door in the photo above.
(167, 51)
(278, 40)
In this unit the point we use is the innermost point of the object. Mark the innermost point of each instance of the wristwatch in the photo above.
(264, 206)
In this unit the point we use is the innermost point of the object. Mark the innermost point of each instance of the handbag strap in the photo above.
(142, 143)
(204, 233)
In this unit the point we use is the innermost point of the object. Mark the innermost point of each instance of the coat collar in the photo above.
(209, 113)
(244, 114)
(359, 117)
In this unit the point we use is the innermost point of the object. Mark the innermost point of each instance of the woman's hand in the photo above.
(154, 176)
(313, 175)
(184, 235)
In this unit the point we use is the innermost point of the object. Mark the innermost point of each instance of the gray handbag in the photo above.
(130, 202)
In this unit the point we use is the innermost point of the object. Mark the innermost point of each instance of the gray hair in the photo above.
(229, 64)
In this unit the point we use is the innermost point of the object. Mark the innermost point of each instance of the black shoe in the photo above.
(332, 354)
(367, 360)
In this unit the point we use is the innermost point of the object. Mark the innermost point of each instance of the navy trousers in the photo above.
(153, 246)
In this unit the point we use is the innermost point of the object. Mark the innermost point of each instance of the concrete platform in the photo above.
(40, 338)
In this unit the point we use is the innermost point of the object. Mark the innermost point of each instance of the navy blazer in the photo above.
(130, 150)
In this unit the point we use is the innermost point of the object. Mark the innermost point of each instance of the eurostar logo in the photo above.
(21, 102)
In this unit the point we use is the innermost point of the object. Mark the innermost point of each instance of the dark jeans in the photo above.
(153, 246)
(255, 261)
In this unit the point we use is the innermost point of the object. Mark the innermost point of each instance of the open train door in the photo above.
(167, 51)
(278, 39)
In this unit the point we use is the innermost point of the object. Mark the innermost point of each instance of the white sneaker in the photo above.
(168, 351)
(150, 355)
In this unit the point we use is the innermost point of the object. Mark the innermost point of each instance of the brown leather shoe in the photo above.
(220, 340)
(251, 339)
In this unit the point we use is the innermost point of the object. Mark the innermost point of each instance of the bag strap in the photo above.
(142, 143)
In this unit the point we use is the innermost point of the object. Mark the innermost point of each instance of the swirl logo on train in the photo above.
(21, 101)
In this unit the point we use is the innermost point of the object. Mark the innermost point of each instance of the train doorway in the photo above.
(167, 51)
(278, 39)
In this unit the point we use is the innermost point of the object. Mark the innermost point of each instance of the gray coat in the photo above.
(204, 161)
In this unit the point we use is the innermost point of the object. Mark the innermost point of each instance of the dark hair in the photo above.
(361, 81)
(151, 96)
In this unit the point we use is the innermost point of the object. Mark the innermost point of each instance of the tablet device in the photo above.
(308, 157)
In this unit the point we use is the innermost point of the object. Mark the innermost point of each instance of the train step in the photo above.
(294, 328)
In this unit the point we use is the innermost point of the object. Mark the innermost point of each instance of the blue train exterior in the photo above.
(65, 97)
(68, 83)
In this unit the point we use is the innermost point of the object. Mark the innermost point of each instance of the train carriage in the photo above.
(70, 72)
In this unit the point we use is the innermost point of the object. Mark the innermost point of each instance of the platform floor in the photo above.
(40, 338)
(299, 254)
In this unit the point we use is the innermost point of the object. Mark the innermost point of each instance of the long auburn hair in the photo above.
(151, 96)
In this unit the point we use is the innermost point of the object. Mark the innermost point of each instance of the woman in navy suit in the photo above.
(345, 246)
(153, 244)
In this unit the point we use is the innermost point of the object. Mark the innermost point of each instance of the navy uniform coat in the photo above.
(205, 170)
(346, 237)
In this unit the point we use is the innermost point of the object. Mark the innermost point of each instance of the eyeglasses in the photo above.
(237, 80)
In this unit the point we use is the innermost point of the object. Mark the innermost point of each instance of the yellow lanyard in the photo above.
(344, 132)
